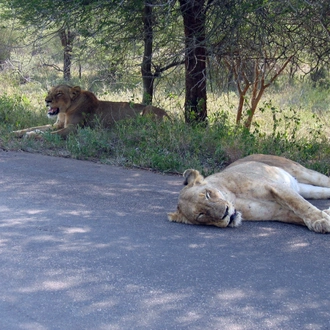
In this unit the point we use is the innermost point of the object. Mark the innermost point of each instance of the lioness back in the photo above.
(111, 112)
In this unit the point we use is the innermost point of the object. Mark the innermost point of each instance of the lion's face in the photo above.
(59, 99)
(202, 204)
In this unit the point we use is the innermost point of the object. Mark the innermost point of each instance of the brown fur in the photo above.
(79, 107)
(258, 187)
(155, 113)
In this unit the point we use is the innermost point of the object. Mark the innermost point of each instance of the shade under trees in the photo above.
(235, 35)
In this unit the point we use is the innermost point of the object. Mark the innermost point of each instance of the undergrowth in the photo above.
(172, 146)
(16, 112)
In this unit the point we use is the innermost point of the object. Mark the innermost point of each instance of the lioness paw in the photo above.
(321, 226)
(36, 134)
(177, 217)
(18, 134)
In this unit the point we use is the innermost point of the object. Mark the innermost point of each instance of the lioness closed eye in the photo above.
(257, 187)
(74, 106)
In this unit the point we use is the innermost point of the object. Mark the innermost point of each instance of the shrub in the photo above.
(16, 112)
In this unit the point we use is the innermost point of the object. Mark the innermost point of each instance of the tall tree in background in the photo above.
(193, 13)
(67, 38)
(52, 19)
(158, 18)
(123, 29)
(152, 24)
(265, 36)
(147, 76)
(260, 49)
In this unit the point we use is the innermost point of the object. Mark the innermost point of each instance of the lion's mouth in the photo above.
(53, 112)
(231, 218)
(235, 219)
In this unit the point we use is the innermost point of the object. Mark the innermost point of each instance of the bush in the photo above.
(16, 112)
(173, 146)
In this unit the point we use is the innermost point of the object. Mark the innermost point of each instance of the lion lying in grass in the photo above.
(74, 106)
(257, 187)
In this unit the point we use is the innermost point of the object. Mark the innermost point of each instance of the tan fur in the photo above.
(80, 107)
(155, 113)
(258, 187)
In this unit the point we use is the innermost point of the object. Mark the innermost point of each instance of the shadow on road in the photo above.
(87, 246)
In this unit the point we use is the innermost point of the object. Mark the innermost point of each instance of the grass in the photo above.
(283, 126)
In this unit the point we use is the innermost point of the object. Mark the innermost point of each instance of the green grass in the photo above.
(16, 111)
(171, 147)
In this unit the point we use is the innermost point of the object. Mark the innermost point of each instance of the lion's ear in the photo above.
(74, 92)
(177, 216)
(192, 177)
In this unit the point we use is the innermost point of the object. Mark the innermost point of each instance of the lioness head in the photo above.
(202, 204)
(60, 97)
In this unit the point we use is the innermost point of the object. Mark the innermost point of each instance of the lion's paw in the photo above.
(36, 134)
(321, 226)
(18, 134)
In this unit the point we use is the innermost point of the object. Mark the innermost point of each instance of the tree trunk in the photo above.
(67, 38)
(147, 76)
(193, 13)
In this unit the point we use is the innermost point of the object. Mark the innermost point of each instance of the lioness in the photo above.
(257, 187)
(74, 106)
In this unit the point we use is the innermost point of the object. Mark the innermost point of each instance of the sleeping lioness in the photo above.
(257, 187)
(74, 106)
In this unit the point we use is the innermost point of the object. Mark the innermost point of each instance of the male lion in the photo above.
(257, 187)
(74, 106)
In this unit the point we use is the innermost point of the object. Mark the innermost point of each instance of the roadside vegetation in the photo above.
(288, 124)
(256, 75)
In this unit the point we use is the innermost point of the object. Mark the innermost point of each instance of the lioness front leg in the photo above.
(315, 219)
(37, 130)
(64, 132)
(22, 132)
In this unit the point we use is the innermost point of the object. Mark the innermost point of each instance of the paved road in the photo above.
(88, 246)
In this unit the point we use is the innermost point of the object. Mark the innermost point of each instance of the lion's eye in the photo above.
(59, 94)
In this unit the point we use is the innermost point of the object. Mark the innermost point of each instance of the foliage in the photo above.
(88, 143)
(16, 112)
(108, 50)
(158, 36)
(172, 147)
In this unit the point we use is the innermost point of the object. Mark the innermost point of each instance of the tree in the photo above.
(147, 76)
(43, 15)
(116, 27)
(193, 13)
(153, 36)
(150, 69)
(67, 38)
(269, 36)
(152, 66)
(264, 72)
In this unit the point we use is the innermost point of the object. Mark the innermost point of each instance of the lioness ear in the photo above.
(192, 177)
(74, 92)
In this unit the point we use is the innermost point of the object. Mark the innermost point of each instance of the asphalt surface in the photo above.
(89, 246)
